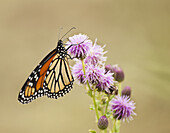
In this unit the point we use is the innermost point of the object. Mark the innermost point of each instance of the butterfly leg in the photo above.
(69, 57)
(71, 46)
(76, 44)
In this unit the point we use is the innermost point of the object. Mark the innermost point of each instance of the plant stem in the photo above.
(119, 89)
(107, 104)
(93, 95)
(83, 65)
(99, 98)
(116, 123)
(118, 126)
(95, 105)
(114, 126)
(105, 131)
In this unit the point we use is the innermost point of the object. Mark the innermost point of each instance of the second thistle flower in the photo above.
(96, 54)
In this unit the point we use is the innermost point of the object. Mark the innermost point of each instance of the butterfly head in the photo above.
(60, 48)
(60, 43)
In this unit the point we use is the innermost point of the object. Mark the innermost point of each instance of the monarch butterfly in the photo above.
(52, 77)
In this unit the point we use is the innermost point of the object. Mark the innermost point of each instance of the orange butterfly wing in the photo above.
(33, 87)
(52, 77)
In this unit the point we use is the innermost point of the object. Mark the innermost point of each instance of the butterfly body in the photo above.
(52, 77)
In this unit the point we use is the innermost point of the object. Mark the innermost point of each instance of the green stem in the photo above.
(83, 65)
(93, 95)
(101, 104)
(118, 126)
(116, 123)
(114, 126)
(105, 131)
(95, 105)
(119, 89)
(107, 104)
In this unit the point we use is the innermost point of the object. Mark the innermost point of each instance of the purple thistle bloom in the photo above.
(77, 71)
(93, 74)
(105, 82)
(79, 51)
(123, 108)
(95, 54)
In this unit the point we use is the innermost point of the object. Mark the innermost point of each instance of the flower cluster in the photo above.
(91, 71)
(93, 58)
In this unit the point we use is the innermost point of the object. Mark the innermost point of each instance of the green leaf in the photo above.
(117, 126)
(99, 108)
(91, 107)
(108, 114)
(112, 97)
(103, 101)
(92, 131)
(89, 93)
(97, 102)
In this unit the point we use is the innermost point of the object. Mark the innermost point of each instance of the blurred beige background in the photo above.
(137, 35)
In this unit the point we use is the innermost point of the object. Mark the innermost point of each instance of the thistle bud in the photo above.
(126, 91)
(109, 68)
(103, 122)
(118, 74)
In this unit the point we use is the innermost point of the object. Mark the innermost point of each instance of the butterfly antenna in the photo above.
(68, 32)
(65, 39)
(59, 33)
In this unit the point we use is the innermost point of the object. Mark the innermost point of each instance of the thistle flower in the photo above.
(95, 54)
(77, 71)
(93, 74)
(84, 44)
(103, 123)
(123, 108)
(105, 81)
